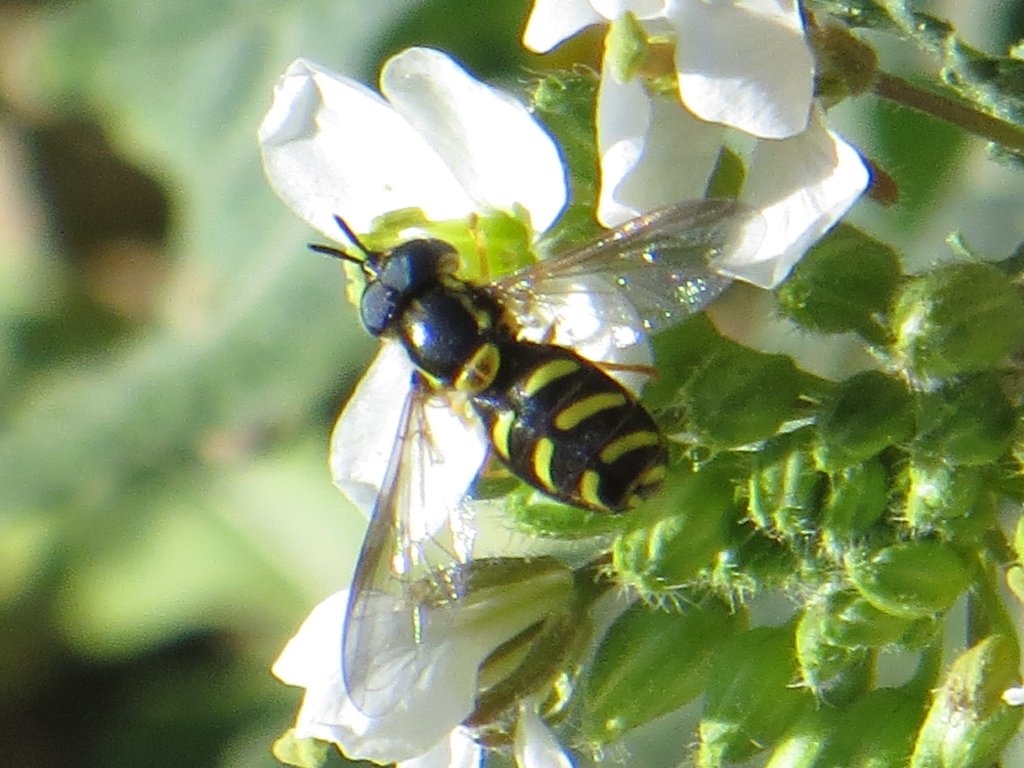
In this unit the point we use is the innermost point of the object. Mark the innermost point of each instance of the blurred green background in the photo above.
(171, 357)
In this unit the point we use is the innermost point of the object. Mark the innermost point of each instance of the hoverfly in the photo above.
(555, 419)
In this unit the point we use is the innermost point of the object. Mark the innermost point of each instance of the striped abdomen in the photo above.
(566, 427)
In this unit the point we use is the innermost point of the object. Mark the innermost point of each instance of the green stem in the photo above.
(944, 108)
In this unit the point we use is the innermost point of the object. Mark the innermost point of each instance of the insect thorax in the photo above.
(449, 327)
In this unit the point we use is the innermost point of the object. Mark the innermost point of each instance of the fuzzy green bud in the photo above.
(738, 396)
(957, 319)
(953, 501)
(968, 724)
(749, 701)
(783, 494)
(831, 671)
(865, 414)
(913, 580)
(850, 621)
(843, 284)
(659, 558)
(856, 499)
(649, 663)
(968, 422)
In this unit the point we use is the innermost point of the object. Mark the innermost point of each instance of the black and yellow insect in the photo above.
(557, 420)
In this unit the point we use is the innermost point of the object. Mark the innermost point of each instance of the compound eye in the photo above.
(416, 263)
(377, 307)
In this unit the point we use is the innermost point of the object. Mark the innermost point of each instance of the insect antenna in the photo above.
(338, 253)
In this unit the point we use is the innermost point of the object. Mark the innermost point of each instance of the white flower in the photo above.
(441, 141)
(654, 152)
(452, 146)
(742, 63)
(424, 730)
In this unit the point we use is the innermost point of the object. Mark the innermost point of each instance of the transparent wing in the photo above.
(405, 580)
(651, 272)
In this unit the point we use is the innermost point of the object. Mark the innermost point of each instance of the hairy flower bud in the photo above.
(960, 318)
(914, 579)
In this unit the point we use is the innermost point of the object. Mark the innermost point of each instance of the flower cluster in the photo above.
(437, 140)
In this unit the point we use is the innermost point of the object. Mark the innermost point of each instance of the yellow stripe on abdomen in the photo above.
(545, 374)
(543, 453)
(619, 447)
(585, 407)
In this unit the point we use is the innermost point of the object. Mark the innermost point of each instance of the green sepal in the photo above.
(626, 48)
(843, 284)
(301, 753)
(913, 580)
(835, 673)
(659, 558)
(864, 415)
(957, 319)
(856, 499)
(649, 663)
(968, 725)
(851, 621)
(966, 422)
(783, 494)
(728, 175)
(750, 700)
(846, 65)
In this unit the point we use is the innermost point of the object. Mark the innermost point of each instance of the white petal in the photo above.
(456, 751)
(333, 147)
(364, 435)
(802, 186)
(498, 152)
(552, 21)
(440, 698)
(365, 438)
(745, 64)
(642, 9)
(535, 745)
(653, 151)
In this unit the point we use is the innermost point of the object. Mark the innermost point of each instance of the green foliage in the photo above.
(168, 518)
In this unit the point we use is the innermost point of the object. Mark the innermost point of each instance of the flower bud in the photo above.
(783, 494)
(842, 284)
(850, 621)
(968, 723)
(856, 500)
(750, 701)
(738, 396)
(957, 319)
(953, 501)
(866, 413)
(843, 671)
(661, 557)
(913, 580)
(968, 422)
(649, 663)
